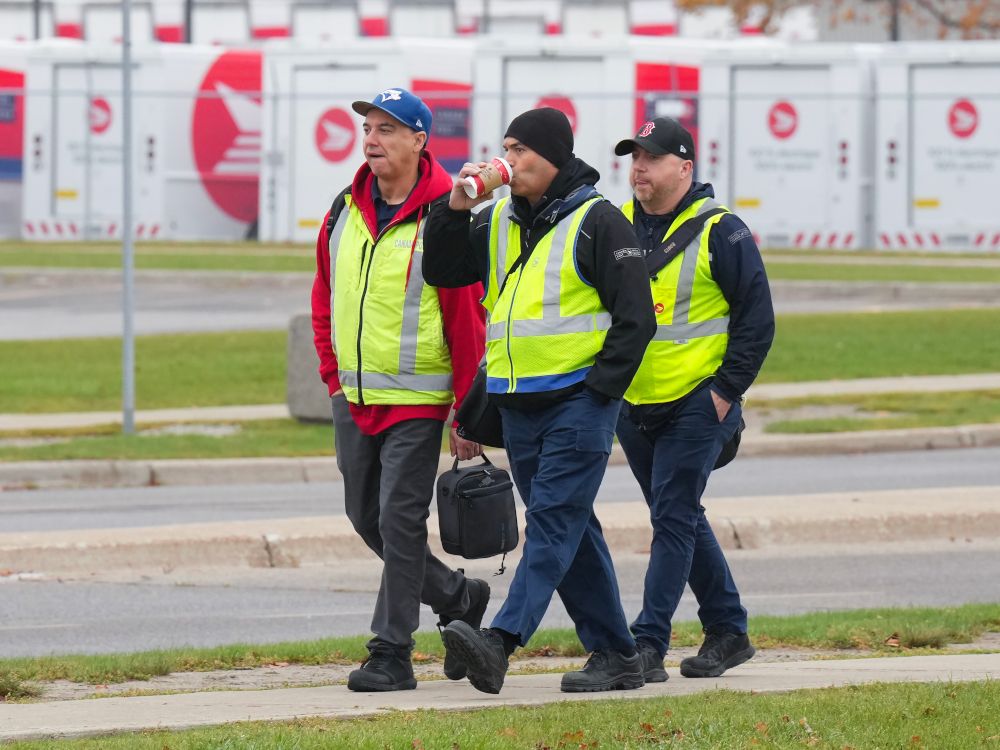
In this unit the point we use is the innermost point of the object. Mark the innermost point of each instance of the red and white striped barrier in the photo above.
(912, 240)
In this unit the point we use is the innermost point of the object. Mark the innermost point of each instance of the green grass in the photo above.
(888, 273)
(916, 628)
(215, 369)
(258, 438)
(944, 716)
(165, 256)
(889, 411)
(873, 345)
(888, 255)
(212, 369)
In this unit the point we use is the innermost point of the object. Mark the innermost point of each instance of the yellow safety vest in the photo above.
(387, 329)
(545, 330)
(692, 319)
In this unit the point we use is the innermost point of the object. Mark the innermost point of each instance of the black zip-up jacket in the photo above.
(738, 269)
(456, 253)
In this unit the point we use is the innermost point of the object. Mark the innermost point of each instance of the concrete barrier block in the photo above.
(307, 395)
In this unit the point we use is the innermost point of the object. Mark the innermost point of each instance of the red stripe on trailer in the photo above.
(918, 239)
(270, 32)
(831, 241)
(472, 27)
(885, 240)
(655, 29)
(375, 26)
(70, 30)
(980, 238)
(849, 239)
(111, 229)
(59, 229)
(554, 28)
(798, 239)
(139, 230)
(44, 227)
(29, 227)
(815, 239)
(902, 239)
(72, 229)
(154, 230)
(935, 239)
(170, 33)
(996, 239)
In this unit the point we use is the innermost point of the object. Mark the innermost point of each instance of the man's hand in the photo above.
(462, 448)
(722, 406)
(459, 200)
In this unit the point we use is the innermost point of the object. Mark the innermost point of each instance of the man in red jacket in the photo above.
(395, 353)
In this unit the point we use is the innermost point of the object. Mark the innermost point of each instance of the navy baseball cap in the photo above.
(408, 108)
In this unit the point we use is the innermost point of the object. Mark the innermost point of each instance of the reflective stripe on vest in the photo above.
(547, 328)
(390, 387)
(551, 322)
(682, 352)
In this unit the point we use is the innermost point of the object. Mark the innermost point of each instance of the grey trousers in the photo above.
(388, 484)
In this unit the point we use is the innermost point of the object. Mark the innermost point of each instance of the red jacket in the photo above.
(464, 317)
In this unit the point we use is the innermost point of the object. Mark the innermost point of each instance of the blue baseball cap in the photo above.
(408, 108)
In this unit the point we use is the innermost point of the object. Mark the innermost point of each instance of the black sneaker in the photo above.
(605, 670)
(386, 668)
(480, 651)
(479, 597)
(718, 652)
(652, 662)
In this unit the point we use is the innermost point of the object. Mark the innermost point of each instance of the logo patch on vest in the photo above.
(402, 243)
(739, 234)
(628, 252)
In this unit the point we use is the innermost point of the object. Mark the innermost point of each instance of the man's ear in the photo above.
(420, 141)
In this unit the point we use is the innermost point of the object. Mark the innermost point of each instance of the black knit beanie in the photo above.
(546, 131)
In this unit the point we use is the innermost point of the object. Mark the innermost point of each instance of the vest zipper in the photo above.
(361, 311)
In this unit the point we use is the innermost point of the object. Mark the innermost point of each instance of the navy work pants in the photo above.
(558, 456)
(672, 464)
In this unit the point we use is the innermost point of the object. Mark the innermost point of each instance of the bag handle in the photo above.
(486, 462)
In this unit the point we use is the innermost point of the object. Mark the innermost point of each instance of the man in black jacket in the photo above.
(570, 315)
(715, 324)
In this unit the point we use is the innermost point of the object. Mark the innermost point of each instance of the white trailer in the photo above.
(196, 149)
(13, 62)
(313, 141)
(937, 152)
(591, 81)
(785, 139)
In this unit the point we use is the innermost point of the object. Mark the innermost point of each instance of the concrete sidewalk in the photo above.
(185, 711)
(940, 514)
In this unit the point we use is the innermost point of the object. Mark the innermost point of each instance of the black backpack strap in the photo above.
(336, 207)
(674, 244)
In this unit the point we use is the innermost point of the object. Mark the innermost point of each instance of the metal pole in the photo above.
(36, 10)
(188, 20)
(128, 254)
(894, 20)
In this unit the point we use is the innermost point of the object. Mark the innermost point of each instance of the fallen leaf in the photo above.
(508, 732)
(419, 656)
(892, 641)
(761, 727)
(646, 727)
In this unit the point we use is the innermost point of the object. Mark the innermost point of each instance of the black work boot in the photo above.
(479, 597)
(480, 651)
(605, 670)
(652, 662)
(386, 668)
(718, 652)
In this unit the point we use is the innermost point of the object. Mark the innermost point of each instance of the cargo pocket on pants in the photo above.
(594, 441)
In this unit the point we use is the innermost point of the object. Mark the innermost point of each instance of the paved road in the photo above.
(50, 510)
(61, 303)
(223, 606)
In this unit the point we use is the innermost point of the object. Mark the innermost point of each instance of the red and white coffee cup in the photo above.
(493, 175)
